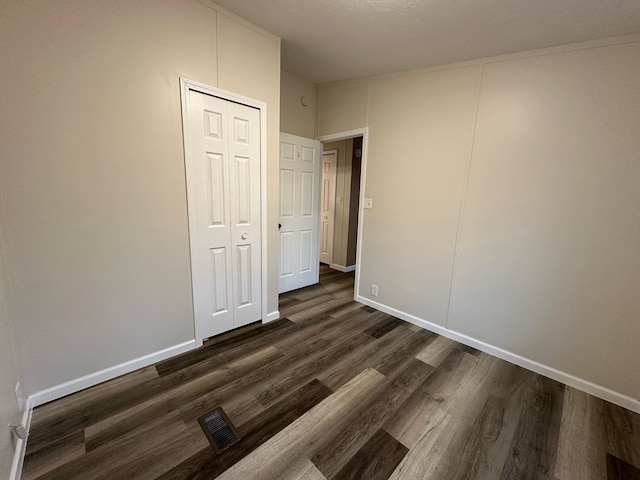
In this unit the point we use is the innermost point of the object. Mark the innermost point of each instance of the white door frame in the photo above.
(334, 137)
(187, 85)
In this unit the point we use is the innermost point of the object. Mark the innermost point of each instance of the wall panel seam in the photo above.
(463, 199)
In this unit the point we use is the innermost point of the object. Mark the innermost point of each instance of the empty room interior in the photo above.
(320, 240)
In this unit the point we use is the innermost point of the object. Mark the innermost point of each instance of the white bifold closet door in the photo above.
(223, 189)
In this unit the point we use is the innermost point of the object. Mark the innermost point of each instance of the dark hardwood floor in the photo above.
(334, 390)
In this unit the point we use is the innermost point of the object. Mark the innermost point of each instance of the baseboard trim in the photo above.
(576, 382)
(21, 445)
(350, 268)
(272, 316)
(72, 386)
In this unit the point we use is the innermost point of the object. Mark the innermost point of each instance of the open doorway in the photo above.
(340, 199)
(338, 274)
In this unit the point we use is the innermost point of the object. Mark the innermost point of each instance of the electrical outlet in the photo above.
(374, 290)
(19, 397)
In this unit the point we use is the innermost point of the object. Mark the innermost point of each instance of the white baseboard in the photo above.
(21, 445)
(350, 268)
(72, 386)
(272, 316)
(576, 382)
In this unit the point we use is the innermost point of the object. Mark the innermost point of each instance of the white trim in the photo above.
(185, 86)
(334, 137)
(72, 386)
(272, 316)
(263, 210)
(21, 445)
(350, 268)
(576, 382)
(364, 133)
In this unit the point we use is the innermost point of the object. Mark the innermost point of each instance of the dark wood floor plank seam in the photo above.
(383, 327)
(481, 447)
(223, 348)
(41, 435)
(416, 342)
(376, 460)
(301, 306)
(338, 448)
(532, 452)
(318, 309)
(254, 433)
(322, 325)
(272, 459)
(112, 404)
(369, 356)
(122, 451)
(281, 384)
(293, 357)
(170, 400)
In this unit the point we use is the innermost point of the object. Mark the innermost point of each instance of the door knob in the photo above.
(244, 236)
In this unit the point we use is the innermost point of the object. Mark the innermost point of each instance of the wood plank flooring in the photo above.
(334, 390)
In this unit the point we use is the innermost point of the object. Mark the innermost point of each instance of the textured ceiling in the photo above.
(327, 40)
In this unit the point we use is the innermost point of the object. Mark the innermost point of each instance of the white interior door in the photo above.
(299, 209)
(328, 205)
(223, 193)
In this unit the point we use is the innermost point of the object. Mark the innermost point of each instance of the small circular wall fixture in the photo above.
(304, 101)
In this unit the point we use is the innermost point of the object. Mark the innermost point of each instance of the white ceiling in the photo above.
(327, 40)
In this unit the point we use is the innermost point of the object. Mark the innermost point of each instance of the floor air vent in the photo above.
(219, 430)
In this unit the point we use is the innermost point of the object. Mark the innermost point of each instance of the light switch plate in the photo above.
(368, 203)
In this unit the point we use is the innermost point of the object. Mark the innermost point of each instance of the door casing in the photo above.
(334, 137)
(187, 85)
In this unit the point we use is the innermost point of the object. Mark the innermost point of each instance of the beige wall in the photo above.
(546, 262)
(421, 129)
(92, 172)
(9, 413)
(295, 118)
(342, 106)
(551, 230)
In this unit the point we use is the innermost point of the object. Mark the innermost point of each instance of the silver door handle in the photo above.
(244, 236)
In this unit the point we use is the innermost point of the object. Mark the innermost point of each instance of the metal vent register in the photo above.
(219, 430)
